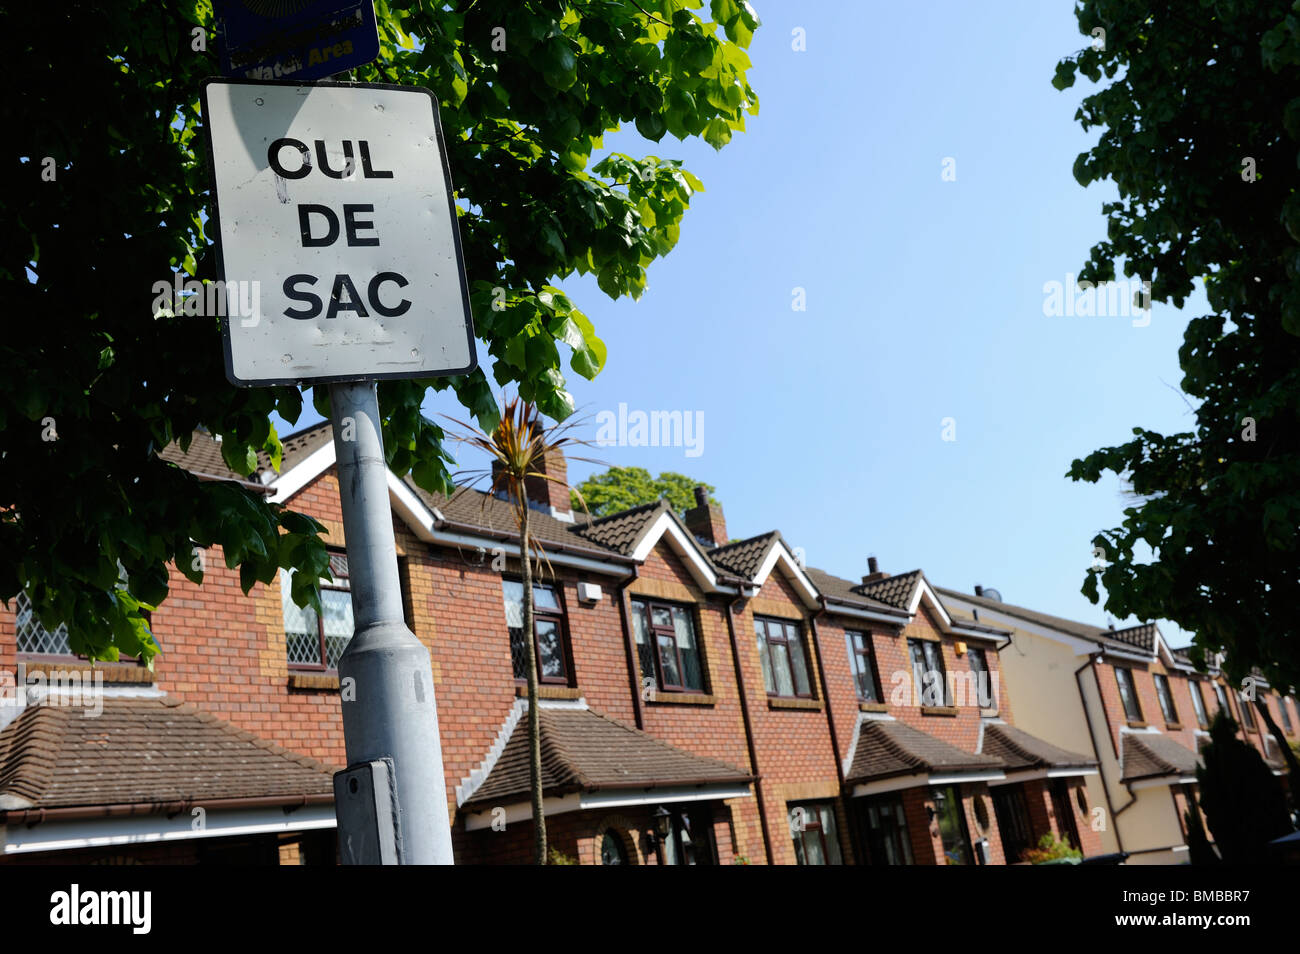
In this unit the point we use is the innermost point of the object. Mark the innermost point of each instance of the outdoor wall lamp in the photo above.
(663, 821)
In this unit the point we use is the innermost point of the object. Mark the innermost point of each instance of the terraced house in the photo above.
(1140, 708)
(704, 701)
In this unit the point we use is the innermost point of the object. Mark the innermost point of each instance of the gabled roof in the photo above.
(1153, 755)
(584, 751)
(744, 557)
(203, 457)
(894, 591)
(887, 748)
(1019, 750)
(840, 590)
(147, 752)
(622, 531)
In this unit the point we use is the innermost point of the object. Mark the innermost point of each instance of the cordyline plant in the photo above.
(518, 445)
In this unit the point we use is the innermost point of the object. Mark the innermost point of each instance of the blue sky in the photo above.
(924, 301)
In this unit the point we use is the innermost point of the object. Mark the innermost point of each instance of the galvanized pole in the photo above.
(385, 673)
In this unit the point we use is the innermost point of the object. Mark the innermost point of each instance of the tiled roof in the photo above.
(744, 557)
(147, 752)
(583, 751)
(204, 453)
(622, 531)
(1153, 755)
(893, 590)
(843, 591)
(1141, 637)
(887, 748)
(1020, 750)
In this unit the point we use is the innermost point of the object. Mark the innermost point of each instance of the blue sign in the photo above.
(296, 39)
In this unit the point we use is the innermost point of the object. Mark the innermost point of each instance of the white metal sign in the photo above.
(337, 235)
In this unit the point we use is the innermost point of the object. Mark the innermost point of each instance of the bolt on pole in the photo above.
(388, 705)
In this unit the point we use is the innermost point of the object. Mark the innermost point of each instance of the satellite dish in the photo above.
(992, 594)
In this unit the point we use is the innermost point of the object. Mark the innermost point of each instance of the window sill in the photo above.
(1136, 724)
(113, 672)
(550, 692)
(872, 707)
(1174, 726)
(683, 698)
(940, 710)
(780, 703)
(314, 680)
(989, 713)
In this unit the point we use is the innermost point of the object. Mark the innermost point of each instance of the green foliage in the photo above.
(621, 488)
(1244, 804)
(560, 858)
(1200, 94)
(109, 93)
(1051, 848)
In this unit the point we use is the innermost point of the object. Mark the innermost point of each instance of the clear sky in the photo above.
(924, 301)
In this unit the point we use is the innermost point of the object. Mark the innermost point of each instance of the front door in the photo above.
(1013, 821)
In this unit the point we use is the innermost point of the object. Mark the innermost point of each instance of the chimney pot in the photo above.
(873, 565)
(701, 497)
(979, 590)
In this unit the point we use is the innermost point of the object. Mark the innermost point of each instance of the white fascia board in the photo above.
(296, 478)
(957, 629)
(410, 508)
(840, 609)
(520, 811)
(924, 591)
(667, 796)
(131, 830)
(684, 547)
(780, 553)
(1163, 781)
(891, 785)
(449, 539)
(957, 778)
(1029, 775)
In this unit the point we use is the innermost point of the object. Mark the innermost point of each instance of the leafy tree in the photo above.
(621, 488)
(1199, 130)
(106, 194)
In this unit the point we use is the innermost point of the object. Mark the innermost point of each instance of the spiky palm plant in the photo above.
(519, 443)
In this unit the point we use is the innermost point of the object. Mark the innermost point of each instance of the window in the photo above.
(816, 838)
(1128, 694)
(1221, 696)
(33, 638)
(885, 827)
(1064, 811)
(687, 843)
(979, 667)
(612, 851)
(1286, 715)
(862, 663)
(1166, 700)
(1247, 710)
(952, 825)
(314, 641)
(548, 633)
(667, 646)
(783, 657)
(1198, 703)
(930, 677)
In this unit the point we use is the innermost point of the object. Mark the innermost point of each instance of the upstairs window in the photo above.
(1221, 696)
(1247, 710)
(979, 667)
(1286, 714)
(1198, 703)
(862, 663)
(667, 646)
(315, 641)
(1128, 694)
(928, 672)
(1167, 708)
(783, 656)
(33, 638)
(548, 633)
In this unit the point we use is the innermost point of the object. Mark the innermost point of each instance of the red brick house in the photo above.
(703, 701)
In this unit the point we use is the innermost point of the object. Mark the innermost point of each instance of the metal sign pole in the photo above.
(385, 673)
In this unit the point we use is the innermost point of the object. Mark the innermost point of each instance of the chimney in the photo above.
(874, 566)
(979, 590)
(552, 496)
(705, 519)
